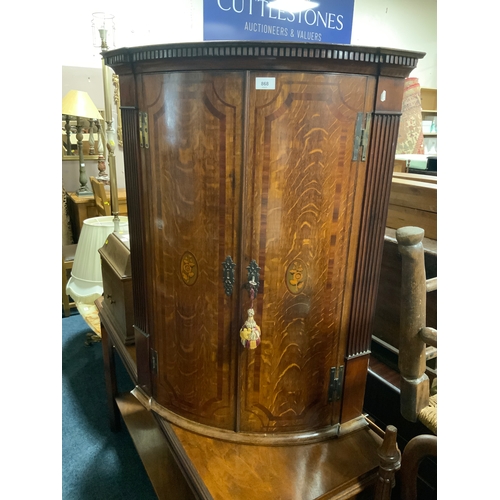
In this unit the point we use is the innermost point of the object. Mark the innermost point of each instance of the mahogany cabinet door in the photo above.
(193, 215)
(302, 194)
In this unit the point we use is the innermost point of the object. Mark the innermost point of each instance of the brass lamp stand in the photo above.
(104, 24)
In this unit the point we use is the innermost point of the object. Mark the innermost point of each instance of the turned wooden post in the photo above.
(83, 189)
(69, 152)
(390, 462)
(91, 137)
(412, 359)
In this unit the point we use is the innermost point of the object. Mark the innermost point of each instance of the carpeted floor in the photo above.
(97, 464)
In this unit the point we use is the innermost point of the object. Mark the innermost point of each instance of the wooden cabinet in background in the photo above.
(258, 174)
(117, 285)
(413, 202)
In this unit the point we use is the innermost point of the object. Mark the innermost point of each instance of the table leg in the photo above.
(110, 378)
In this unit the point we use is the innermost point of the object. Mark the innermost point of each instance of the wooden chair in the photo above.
(68, 257)
(415, 338)
(391, 462)
(100, 197)
(416, 402)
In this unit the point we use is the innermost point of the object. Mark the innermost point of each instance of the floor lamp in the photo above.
(86, 284)
(78, 104)
(103, 24)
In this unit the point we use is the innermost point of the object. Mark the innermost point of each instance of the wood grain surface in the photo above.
(305, 472)
(256, 175)
(193, 207)
(283, 177)
(299, 206)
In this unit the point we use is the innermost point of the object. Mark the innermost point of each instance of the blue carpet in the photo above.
(96, 462)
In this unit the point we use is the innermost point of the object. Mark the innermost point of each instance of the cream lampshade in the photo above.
(85, 284)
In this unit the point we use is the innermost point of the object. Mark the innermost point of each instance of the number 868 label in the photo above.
(265, 83)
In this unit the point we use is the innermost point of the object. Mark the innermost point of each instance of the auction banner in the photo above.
(325, 21)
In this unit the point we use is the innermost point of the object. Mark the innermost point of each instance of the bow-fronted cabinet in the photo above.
(258, 179)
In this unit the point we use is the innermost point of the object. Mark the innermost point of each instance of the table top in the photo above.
(91, 316)
(122, 195)
(220, 469)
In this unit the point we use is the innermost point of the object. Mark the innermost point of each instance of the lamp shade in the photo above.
(103, 30)
(78, 103)
(85, 284)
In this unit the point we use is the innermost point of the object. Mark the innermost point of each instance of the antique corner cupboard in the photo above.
(267, 167)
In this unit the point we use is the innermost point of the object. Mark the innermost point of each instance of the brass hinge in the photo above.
(361, 136)
(143, 129)
(154, 361)
(335, 386)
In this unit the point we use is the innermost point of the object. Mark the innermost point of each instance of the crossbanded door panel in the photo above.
(300, 221)
(193, 212)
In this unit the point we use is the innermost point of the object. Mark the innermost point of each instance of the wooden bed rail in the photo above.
(414, 334)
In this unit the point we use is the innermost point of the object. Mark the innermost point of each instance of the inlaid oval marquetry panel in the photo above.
(189, 268)
(296, 276)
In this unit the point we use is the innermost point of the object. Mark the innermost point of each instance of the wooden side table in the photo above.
(152, 446)
(184, 465)
(83, 207)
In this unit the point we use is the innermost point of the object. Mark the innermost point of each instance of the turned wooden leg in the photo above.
(390, 462)
(110, 378)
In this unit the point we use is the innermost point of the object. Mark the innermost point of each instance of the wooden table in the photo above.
(184, 465)
(83, 207)
(151, 444)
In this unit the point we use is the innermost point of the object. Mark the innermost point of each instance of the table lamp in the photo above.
(85, 285)
(78, 104)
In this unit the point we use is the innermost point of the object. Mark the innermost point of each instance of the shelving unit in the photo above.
(428, 98)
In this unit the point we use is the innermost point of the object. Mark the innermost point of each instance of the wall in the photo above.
(403, 24)
(81, 61)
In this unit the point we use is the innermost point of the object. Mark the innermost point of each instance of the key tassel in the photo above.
(250, 332)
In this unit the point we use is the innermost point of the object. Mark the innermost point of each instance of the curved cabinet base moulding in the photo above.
(352, 425)
(266, 439)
